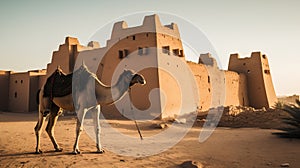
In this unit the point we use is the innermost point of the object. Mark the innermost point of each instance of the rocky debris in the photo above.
(163, 125)
(180, 121)
(285, 165)
(239, 116)
(191, 164)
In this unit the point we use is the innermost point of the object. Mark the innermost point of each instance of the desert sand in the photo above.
(227, 147)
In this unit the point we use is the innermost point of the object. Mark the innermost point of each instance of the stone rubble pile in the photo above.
(239, 116)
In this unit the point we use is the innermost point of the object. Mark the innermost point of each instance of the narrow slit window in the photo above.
(133, 37)
(181, 54)
(121, 54)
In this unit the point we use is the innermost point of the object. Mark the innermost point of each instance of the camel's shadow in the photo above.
(44, 154)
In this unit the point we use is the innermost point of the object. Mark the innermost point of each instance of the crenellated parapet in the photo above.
(151, 24)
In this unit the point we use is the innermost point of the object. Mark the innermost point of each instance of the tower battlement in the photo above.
(151, 24)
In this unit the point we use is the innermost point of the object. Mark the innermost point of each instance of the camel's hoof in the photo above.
(100, 151)
(59, 150)
(38, 151)
(76, 151)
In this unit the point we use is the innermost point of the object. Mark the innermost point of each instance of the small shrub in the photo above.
(293, 122)
(279, 105)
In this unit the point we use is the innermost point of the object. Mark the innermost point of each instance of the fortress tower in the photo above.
(260, 90)
(150, 42)
(66, 55)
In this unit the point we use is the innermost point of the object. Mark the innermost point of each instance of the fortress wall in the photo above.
(170, 45)
(112, 56)
(42, 80)
(4, 90)
(269, 87)
(232, 85)
(33, 88)
(171, 97)
(59, 58)
(236, 89)
(66, 55)
(178, 86)
(77, 49)
(204, 86)
(36, 78)
(243, 90)
(171, 94)
(19, 92)
(91, 58)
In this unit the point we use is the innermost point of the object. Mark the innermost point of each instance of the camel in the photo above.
(82, 99)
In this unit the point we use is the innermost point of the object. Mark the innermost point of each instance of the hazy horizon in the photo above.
(32, 30)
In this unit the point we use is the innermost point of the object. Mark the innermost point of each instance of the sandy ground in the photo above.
(227, 147)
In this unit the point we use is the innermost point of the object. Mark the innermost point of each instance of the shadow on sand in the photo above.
(44, 154)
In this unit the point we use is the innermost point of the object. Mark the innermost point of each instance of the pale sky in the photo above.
(32, 30)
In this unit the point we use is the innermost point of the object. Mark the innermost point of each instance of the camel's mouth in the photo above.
(137, 78)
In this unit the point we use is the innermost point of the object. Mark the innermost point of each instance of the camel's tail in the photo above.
(38, 97)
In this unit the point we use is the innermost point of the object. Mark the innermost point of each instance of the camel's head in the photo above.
(134, 78)
(137, 78)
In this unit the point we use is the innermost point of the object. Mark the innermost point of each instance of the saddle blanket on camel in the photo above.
(58, 85)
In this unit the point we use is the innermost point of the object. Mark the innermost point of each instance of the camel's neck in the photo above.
(108, 95)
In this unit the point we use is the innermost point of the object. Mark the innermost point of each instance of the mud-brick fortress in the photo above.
(247, 81)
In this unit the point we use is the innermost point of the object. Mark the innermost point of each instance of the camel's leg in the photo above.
(38, 132)
(79, 129)
(43, 103)
(96, 115)
(50, 127)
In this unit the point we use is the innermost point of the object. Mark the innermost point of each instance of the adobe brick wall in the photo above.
(4, 90)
